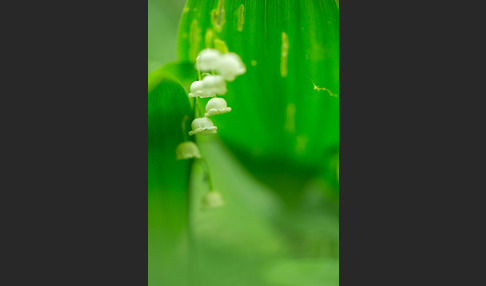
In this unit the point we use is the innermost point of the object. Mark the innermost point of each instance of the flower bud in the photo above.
(212, 199)
(216, 106)
(230, 66)
(208, 59)
(187, 150)
(203, 126)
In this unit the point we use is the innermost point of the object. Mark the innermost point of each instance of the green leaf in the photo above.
(285, 109)
(168, 111)
(182, 72)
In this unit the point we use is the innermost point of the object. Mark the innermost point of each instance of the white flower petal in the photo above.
(203, 126)
(198, 89)
(208, 59)
(230, 66)
(216, 106)
(214, 84)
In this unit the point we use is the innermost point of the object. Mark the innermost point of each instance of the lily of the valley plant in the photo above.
(214, 69)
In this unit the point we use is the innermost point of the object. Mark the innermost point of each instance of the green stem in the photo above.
(199, 77)
(208, 174)
(199, 113)
(192, 256)
(184, 131)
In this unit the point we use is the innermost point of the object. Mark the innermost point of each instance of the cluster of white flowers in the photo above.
(219, 69)
(225, 67)
(228, 65)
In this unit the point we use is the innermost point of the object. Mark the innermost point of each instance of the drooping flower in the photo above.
(198, 89)
(212, 199)
(216, 106)
(187, 150)
(209, 86)
(230, 66)
(208, 59)
(203, 126)
(214, 84)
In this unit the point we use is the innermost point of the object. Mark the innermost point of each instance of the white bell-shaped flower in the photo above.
(230, 66)
(216, 106)
(208, 59)
(187, 150)
(198, 89)
(203, 126)
(214, 84)
(212, 199)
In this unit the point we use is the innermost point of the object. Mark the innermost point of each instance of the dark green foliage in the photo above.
(168, 178)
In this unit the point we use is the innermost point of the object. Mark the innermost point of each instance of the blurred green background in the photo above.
(163, 19)
(280, 222)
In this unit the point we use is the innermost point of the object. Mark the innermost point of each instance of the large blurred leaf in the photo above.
(285, 119)
(168, 179)
(253, 238)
